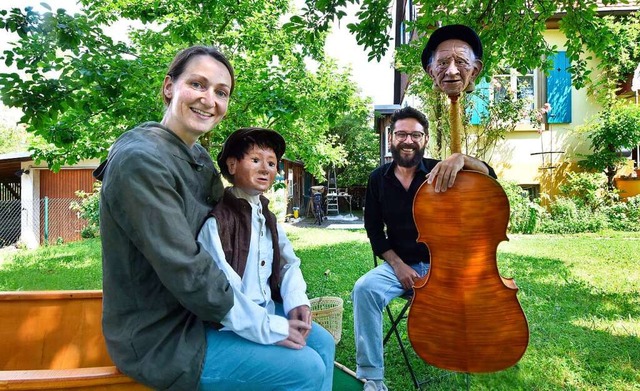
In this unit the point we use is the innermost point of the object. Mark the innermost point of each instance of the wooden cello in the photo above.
(464, 316)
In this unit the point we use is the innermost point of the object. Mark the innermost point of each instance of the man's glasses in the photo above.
(415, 136)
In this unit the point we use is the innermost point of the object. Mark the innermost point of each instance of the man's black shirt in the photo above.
(388, 205)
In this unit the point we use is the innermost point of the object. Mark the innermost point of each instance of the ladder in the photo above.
(332, 193)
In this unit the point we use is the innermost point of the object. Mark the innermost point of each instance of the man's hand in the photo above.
(295, 340)
(445, 172)
(405, 274)
(302, 313)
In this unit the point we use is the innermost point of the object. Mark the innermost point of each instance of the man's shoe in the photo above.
(371, 385)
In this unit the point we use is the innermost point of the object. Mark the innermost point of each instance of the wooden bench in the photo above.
(52, 340)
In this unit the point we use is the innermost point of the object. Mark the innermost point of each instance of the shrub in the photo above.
(278, 198)
(586, 205)
(566, 216)
(617, 128)
(588, 190)
(524, 212)
(89, 210)
(624, 216)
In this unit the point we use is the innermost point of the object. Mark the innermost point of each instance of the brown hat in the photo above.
(236, 145)
(454, 31)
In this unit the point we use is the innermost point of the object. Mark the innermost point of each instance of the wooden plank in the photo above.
(52, 340)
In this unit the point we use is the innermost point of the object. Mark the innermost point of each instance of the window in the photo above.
(554, 89)
(532, 191)
(387, 150)
(509, 84)
(409, 16)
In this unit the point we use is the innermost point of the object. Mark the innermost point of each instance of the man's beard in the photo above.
(406, 162)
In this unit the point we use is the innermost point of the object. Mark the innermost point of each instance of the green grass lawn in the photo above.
(581, 295)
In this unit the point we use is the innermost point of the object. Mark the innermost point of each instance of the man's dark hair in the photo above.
(409, 112)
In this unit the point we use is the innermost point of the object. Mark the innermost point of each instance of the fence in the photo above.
(49, 220)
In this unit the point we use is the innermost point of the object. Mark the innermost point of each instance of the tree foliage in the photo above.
(13, 138)
(512, 31)
(619, 56)
(83, 89)
(361, 146)
(500, 118)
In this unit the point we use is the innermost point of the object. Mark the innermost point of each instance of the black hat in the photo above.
(236, 143)
(454, 31)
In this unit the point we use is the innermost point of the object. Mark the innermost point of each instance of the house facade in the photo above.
(537, 156)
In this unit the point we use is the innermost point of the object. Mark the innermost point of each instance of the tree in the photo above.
(512, 31)
(12, 138)
(362, 148)
(619, 57)
(83, 89)
(615, 129)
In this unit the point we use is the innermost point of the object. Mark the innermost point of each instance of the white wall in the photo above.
(513, 157)
(30, 210)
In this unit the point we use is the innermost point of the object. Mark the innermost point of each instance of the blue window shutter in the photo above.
(479, 100)
(559, 90)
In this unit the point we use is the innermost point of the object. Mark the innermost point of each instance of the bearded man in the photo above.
(452, 58)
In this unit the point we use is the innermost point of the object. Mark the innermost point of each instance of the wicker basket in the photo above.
(327, 312)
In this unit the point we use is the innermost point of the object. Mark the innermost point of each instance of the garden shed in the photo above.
(35, 201)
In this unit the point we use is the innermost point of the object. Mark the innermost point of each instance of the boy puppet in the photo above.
(267, 340)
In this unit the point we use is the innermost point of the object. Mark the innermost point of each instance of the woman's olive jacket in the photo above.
(160, 287)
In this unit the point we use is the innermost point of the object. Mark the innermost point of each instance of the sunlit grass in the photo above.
(580, 293)
(70, 266)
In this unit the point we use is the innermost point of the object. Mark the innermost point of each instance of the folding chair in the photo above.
(393, 330)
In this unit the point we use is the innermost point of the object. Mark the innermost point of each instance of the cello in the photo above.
(464, 315)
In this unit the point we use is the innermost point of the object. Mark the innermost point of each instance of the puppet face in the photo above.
(454, 67)
(256, 171)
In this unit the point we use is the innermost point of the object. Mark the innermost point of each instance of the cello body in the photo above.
(464, 316)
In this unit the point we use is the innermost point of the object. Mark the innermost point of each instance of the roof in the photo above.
(386, 109)
(611, 9)
(15, 156)
(632, 5)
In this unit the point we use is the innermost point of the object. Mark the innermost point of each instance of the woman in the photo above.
(161, 289)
